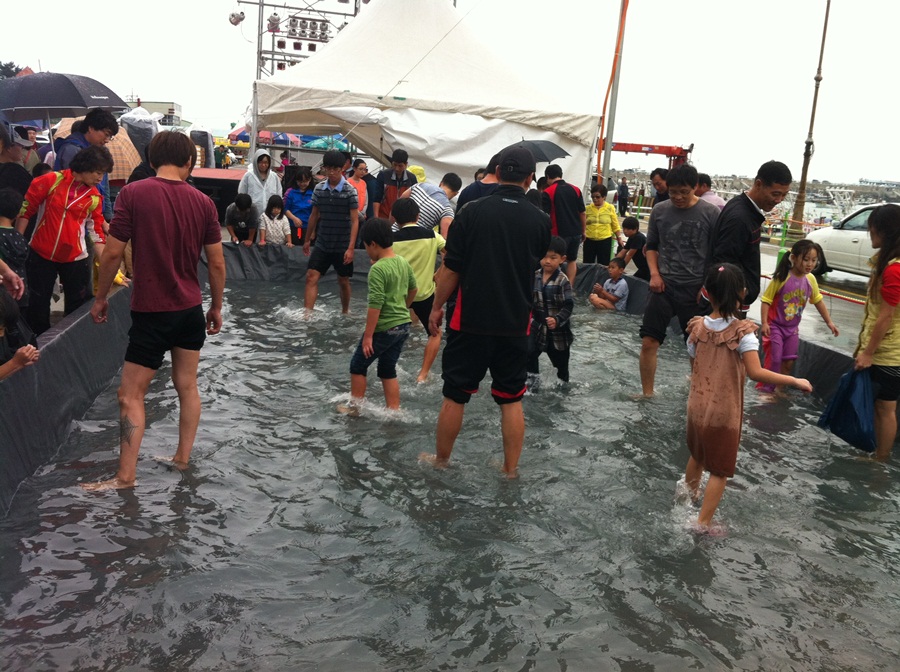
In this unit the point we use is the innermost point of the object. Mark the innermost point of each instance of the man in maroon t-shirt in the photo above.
(169, 223)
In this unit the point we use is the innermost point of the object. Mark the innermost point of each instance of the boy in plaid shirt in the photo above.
(551, 331)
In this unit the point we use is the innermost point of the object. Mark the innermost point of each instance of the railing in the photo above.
(785, 231)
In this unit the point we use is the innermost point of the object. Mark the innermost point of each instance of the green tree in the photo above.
(9, 69)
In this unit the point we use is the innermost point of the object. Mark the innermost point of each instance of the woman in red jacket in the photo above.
(67, 202)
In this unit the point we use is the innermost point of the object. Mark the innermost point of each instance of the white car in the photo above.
(846, 244)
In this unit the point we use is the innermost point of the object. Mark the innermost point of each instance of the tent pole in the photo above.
(253, 124)
(607, 145)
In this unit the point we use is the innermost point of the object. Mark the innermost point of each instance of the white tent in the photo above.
(432, 88)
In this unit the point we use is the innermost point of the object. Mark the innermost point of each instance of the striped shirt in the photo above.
(433, 205)
(334, 206)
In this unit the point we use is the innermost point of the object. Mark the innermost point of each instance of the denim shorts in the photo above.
(386, 346)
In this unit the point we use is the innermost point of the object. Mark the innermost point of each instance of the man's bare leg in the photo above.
(135, 381)
(184, 378)
(449, 423)
(431, 351)
(885, 428)
(312, 289)
(344, 287)
(512, 426)
(649, 350)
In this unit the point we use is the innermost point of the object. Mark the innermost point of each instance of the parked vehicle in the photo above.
(846, 244)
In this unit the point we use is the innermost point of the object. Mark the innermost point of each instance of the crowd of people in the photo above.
(700, 257)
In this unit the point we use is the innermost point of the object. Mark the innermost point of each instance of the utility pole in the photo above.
(800, 203)
(614, 95)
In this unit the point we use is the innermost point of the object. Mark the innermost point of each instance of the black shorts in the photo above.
(572, 245)
(320, 261)
(887, 382)
(467, 357)
(422, 309)
(152, 335)
(674, 302)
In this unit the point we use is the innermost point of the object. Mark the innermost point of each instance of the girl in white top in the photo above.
(274, 228)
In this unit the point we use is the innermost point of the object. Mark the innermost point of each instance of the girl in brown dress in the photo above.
(724, 351)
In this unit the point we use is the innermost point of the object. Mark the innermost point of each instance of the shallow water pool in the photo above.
(304, 539)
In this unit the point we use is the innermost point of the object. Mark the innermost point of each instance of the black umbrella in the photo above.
(53, 94)
(544, 151)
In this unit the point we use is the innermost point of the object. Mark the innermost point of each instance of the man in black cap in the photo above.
(493, 249)
(392, 183)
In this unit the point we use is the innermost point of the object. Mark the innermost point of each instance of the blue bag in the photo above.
(851, 412)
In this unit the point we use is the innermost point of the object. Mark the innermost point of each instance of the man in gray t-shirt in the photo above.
(678, 240)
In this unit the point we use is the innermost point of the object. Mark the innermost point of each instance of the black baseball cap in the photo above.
(516, 160)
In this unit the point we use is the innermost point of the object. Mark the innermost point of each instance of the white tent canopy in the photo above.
(442, 95)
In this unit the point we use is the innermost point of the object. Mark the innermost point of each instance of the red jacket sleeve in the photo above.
(36, 194)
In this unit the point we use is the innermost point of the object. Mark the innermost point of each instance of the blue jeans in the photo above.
(386, 346)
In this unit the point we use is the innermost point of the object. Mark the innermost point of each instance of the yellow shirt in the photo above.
(602, 222)
(888, 351)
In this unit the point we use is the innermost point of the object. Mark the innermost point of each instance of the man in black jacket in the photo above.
(735, 236)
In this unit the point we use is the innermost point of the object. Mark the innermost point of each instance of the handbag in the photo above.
(850, 414)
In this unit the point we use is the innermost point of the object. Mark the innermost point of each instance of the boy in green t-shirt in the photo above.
(420, 247)
(392, 288)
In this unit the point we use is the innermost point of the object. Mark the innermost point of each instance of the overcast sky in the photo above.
(733, 77)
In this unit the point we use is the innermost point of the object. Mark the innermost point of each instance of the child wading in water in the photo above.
(551, 329)
(392, 288)
(792, 286)
(724, 351)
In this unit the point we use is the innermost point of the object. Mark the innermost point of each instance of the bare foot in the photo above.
(350, 409)
(111, 484)
(641, 397)
(172, 462)
(421, 378)
(714, 529)
(498, 464)
(433, 460)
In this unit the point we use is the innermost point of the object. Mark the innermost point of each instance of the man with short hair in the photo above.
(736, 234)
(435, 209)
(495, 245)
(705, 191)
(392, 183)
(170, 223)
(97, 128)
(565, 205)
(658, 180)
(479, 188)
(678, 243)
